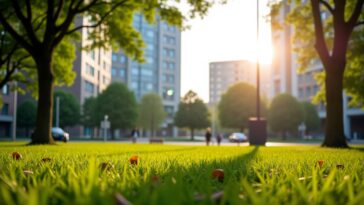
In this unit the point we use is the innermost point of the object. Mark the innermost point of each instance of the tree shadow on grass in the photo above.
(358, 148)
(195, 183)
(146, 152)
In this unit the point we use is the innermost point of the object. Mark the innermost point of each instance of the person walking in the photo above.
(134, 135)
(218, 139)
(208, 136)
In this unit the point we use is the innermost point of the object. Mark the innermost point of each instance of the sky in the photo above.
(228, 32)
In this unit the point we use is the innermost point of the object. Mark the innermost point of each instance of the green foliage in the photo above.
(26, 114)
(151, 112)
(69, 109)
(237, 105)
(192, 112)
(301, 18)
(310, 116)
(180, 175)
(90, 112)
(41, 27)
(119, 103)
(285, 114)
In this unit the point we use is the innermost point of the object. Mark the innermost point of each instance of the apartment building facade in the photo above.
(161, 71)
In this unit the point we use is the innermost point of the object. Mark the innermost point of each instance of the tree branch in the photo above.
(320, 44)
(48, 34)
(356, 13)
(26, 23)
(100, 21)
(327, 5)
(29, 10)
(15, 34)
(59, 9)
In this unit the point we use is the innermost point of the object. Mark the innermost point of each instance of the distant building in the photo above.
(160, 73)
(303, 86)
(227, 73)
(6, 112)
(93, 70)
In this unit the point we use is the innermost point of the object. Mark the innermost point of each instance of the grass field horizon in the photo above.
(94, 173)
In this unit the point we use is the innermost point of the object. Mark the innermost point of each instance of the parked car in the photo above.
(59, 134)
(238, 137)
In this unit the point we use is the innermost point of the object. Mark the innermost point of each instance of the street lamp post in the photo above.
(258, 125)
(105, 124)
(57, 111)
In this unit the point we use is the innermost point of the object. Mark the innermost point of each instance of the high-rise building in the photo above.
(227, 73)
(303, 86)
(93, 70)
(6, 112)
(161, 71)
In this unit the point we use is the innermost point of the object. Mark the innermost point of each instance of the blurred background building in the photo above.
(227, 73)
(160, 73)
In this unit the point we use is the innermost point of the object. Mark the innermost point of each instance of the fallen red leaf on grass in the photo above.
(218, 174)
(154, 179)
(134, 160)
(16, 155)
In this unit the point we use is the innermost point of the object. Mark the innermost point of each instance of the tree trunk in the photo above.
(192, 134)
(334, 128)
(42, 133)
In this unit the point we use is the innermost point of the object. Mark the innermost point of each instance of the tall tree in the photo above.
(192, 113)
(330, 28)
(237, 105)
(69, 109)
(90, 113)
(285, 114)
(40, 26)
(119, 103)
(151, 112)
(26, 115)
(310, 117)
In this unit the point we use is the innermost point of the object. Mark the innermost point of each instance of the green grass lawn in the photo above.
(180, 175)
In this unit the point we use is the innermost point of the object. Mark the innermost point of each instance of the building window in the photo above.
(169, 110)
(5, 109)
(168, 93)
(113, 71)
(169, 40)
(114, 57)
(105, 80)
(135, 71)
(169, 52)
(122, 73)
(89, 87)
(92, 54)
(134, 85)
(5, 90)
(168, 78)
(90, 70)
(122, 59)
(171, 65)
(149, 86)
(147, 72)
(149, 60)
(164, 65)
